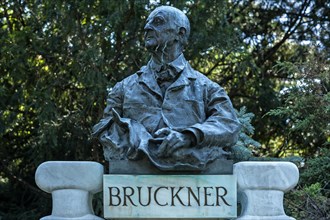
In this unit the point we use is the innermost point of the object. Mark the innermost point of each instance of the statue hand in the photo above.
(117, 119)
(172, 142)
(162, 133)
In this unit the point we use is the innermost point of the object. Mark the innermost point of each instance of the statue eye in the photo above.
(158, 20)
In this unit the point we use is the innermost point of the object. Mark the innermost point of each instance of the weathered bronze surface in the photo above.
(167, 111)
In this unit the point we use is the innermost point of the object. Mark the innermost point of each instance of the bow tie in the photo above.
(166, 74)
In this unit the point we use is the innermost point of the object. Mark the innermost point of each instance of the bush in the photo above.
(311, 199)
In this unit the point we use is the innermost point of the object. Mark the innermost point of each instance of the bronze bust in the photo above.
(167, 111)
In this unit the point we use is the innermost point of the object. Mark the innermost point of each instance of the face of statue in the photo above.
(160, 30)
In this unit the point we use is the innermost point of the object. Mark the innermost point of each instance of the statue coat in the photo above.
(191, 103)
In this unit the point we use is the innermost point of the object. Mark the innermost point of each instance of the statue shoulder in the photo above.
(203, 79)
(133, 77)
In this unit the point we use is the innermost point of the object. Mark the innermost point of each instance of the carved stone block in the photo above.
(72, 185)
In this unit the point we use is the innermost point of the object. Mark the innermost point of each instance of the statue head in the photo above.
(166, 26)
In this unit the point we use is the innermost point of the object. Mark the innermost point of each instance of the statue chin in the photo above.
(150, 46)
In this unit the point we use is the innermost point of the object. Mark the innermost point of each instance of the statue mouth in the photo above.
(149, 34)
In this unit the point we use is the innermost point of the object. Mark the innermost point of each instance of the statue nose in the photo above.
(147, 27)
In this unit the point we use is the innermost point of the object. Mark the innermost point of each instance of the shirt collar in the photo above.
(187, 71)
(178, 64)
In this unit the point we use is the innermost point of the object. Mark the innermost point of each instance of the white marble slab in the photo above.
(169, 196)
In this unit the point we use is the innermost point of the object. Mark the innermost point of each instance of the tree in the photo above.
(273, 31)
(56, 62)
(58, 57)
(305, 112)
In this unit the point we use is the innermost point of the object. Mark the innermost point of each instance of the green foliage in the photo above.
(306, 108)
(316, 170)
(58, 57)
(308, 203)
(242, 151)
(246, 148)
(311, 200)
(275, 31)
(247, 129)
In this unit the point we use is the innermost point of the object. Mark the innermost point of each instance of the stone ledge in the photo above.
(266, 175)
(84, 175)
(85, 217)
(261, 187)
(145, 167)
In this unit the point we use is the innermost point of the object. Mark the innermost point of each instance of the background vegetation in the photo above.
(58, 57)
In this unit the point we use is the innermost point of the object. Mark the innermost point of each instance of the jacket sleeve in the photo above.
(221, 127)
(114, 100)
(120, 137)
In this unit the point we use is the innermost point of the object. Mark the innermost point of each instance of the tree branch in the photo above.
(218, 63)
(292, 28)
(21, 181)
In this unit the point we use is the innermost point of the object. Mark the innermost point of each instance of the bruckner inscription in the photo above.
(179, 195)
(169, 196)
(167, 111)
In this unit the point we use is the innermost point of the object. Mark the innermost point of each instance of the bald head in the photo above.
(176, 17)
(166, 32)
(166, 25)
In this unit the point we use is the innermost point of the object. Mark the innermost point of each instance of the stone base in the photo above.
(85, 217)
(145, 167)
(279, 217)
(171, 219)
(261, 185)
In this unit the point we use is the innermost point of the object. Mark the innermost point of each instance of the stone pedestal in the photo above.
(72, 185)
(261, 186)
(145, 167)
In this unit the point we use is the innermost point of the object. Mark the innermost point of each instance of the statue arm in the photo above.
(221, 127)
(114, 101)
(121, 137)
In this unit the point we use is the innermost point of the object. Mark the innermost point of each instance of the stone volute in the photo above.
(261, 186)
(72, 185)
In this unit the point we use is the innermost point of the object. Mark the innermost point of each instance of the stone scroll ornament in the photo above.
(167, 111)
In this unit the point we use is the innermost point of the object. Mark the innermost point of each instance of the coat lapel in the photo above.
(147, 78)
(184, 79)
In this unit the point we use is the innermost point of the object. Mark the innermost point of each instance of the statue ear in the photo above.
(182, 31)
(182, 35)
